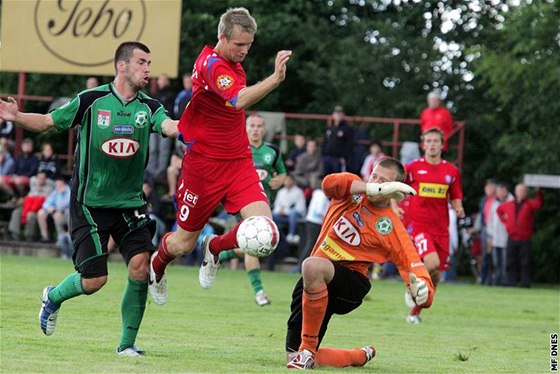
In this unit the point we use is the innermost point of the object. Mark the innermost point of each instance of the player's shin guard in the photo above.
(162, 258)
(225, 242)
(132, 310)
(314, 306)
(340, 358)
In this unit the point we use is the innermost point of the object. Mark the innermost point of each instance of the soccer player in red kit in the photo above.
(217, 167)
(360, 228)
(437, 182)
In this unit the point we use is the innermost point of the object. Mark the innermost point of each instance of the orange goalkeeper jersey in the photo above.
(356, 233)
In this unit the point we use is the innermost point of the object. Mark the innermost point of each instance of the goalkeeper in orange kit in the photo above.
(360, 228)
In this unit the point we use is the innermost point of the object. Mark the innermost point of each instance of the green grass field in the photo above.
(470, 329)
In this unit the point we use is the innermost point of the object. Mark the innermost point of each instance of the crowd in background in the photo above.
(499, 239)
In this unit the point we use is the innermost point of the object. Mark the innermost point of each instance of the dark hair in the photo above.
(393, 163)
(126, 49)
(377, 143)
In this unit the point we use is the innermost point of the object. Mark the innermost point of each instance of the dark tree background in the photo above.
(497, 62)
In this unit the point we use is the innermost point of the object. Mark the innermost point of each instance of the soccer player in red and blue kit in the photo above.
(437, 183)
(217, 166)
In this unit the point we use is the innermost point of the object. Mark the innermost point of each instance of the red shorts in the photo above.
(427, 243)
(205, 183)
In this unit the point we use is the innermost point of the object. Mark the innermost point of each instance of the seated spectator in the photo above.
(40, 188)
(57, 207)
(289, 206)
(299, 142)
(337, 147)
(436, 116)
(154, 209)
(6, 168)
(24, 168)
(375, 154)
(309, 167)
(48, 162)
(174, 169)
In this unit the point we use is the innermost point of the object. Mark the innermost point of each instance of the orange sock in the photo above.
(340, 358)
(314, 307)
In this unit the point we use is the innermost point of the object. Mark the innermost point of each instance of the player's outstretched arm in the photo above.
(169, 128)
(253, 94)
(35, 122)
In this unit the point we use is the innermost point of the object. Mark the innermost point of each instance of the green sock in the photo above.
(70, 287)
(227, 255)
(132, 310)
(255, 279)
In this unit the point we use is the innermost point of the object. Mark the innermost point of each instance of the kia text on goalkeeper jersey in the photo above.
(112, 150)
(211, 125)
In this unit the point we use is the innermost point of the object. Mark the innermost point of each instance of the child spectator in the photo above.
(375, 154)
(48, 163)
(55, 206)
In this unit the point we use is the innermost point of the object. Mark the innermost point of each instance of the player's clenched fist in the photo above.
(418, 290)
(390, 189)
(280, 65)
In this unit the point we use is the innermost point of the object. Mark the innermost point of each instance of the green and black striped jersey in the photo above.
(112, 145)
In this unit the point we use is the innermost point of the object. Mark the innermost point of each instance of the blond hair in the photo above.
(236, 17)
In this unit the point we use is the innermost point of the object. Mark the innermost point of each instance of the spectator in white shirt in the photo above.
(289, 206)
(498, 236)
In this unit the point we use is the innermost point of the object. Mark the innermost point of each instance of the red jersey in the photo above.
(519, 219)
(211, 125)
(435, 185)
(440, 118)
(356, 233)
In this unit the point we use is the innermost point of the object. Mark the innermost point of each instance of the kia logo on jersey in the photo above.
(120, 147)
(347, 232)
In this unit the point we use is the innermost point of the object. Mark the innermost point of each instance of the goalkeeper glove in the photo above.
(418, 290)
(389, 189)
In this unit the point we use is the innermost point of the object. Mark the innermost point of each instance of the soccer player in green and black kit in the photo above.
(113, 123)
(272, 172)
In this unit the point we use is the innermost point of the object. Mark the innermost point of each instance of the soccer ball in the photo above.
(257, 236)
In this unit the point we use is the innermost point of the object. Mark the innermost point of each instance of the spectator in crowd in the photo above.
(40, 188)
(484, 211)
(375, 154)
(160, 147)
(316, 211)
(174, 169)
(518, 216)
(497, 236)
(56, 206)
(436, 116)
(92, 82)
(7, 134)
(6, 164)
(309, 167)
(299, 142)
(154, 209)
(183, 97)
(337, 147)
(25, 167)
(48, 162)
(289, 206)
(360, 140)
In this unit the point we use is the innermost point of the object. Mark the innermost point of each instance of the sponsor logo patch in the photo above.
(120, 147)
(103, 118)
(358, 219)
(384, 225)
(435, 190)
(224, 81)
(347, 232)
(123, 129)
(334, 251)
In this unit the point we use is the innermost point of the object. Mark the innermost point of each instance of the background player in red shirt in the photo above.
(437, 182)
(217, 165)
(359, 229)
(436, 116)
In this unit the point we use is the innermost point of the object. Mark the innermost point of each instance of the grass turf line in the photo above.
(470, 329)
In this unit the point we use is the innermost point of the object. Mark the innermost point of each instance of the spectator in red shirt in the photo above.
(436, 116)
(519, 216)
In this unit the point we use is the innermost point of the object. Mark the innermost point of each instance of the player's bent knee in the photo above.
(138, 266)
(317, 268)
(92, 285)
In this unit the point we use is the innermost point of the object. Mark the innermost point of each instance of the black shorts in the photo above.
(90, 228)
(346, 292)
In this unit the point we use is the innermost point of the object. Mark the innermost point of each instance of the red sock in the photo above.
(225, 242)
(314, 306)
(162, 258)
(340, 358)
(415, 310)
